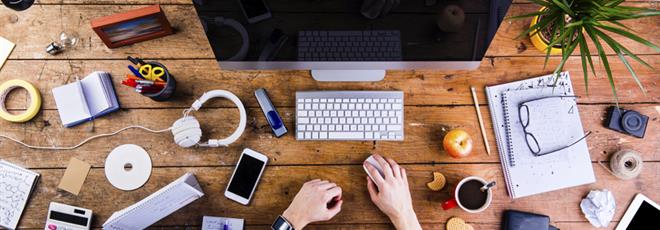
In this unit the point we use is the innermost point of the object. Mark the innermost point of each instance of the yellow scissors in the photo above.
(152, 73)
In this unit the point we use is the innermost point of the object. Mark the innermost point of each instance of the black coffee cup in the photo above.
(469, 197)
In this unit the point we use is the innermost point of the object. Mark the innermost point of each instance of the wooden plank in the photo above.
(423, 127)
(323, 226)
(32, 32)
(506, 44)
(34, 29)
(421, 87)
(280, 184)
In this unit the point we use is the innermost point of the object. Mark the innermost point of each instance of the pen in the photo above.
(481, 122)
(129, 82)
(147, 82)
(136, 61)
(131, 76)
(135, 72)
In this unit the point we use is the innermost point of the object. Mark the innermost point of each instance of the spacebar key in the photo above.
(345, 135)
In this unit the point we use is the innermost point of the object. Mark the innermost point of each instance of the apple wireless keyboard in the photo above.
(349, 115)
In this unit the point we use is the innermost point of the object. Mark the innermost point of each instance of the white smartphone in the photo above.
(246, 176)
(641, 214)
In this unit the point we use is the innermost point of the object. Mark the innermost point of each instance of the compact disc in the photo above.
(128, 167)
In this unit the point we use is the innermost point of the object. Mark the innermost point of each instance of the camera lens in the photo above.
(632, 121)
(18, 5)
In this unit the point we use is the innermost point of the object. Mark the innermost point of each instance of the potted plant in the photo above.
(560, 26)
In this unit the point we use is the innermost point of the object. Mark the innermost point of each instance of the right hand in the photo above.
(391, 193)
(317, 200)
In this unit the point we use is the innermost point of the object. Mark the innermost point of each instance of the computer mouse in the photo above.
(373, 162)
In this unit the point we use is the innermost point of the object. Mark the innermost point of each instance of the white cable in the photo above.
(88, 139)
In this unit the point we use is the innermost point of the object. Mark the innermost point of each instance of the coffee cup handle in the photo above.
(449, 204)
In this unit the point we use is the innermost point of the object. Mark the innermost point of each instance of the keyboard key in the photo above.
(303, 120)
(394, 127)
(345, 135)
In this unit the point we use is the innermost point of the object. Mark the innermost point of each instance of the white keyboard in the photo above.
(349, 115)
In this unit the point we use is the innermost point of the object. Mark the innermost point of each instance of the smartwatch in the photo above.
(281, 224)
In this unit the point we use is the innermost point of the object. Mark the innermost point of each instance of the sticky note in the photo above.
(74, 176)
(5, 49)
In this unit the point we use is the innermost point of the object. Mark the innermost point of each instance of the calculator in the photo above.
(67, 217)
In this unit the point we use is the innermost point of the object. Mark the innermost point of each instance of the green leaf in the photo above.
(614, 3)
(628, 35)
(562, 37)
(541, 2)
(615, 46)
(621, 25)
(603, 58)
(583, 57)
(537, 13)
(549, 48)
(540, 25)
(633, 56)
(564, 7)
(584, 48)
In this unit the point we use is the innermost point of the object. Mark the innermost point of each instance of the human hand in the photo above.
(317, 200)
(391, 193)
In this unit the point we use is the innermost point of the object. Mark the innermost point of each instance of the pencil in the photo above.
(481, 121)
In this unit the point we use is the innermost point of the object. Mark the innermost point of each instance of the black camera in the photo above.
(626, 121)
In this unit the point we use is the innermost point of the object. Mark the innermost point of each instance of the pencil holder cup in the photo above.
(170, 85)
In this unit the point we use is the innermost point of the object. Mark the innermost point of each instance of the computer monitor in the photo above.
(350, 40)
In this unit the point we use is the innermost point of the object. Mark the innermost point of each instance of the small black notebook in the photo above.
(517, 220)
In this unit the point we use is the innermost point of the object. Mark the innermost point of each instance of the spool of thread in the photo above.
(626, 164)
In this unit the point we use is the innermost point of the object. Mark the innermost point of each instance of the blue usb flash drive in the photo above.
(271, 114)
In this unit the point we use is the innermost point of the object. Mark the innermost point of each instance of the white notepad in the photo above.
(16, 185)
(5, 49)
(158, 205)
(85, 100)
(526, 174)
(218, 223)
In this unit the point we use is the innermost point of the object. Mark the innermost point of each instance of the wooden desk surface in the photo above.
(435, 101)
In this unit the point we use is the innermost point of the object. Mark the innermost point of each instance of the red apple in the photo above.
(457, 143)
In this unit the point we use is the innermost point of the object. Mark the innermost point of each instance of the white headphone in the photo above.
(187, 131)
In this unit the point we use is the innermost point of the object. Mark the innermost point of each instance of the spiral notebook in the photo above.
(158, 205)
(526, 174)
(16, 185)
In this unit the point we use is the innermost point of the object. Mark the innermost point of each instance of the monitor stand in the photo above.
(348, 75)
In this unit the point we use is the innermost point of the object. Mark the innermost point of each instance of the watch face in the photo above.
(281, 224)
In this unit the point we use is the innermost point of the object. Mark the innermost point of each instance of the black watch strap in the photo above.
(282, 224)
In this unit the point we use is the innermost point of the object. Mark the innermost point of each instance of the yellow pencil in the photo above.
(481, 122)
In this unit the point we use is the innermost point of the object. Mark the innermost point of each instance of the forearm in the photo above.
(294, 219)
(406, 222)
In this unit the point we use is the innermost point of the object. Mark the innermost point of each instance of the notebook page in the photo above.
(71, 104)
(5, 49)
(16, 184)
(537, 174)
(156, 206)
(95, 93)
(109, 90)
(496, 108)
(217, 223)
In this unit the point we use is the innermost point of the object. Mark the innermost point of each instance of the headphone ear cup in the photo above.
(187, 131)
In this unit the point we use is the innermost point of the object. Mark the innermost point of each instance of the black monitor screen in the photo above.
(453, 30)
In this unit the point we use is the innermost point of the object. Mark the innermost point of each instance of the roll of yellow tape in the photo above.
(33, 108)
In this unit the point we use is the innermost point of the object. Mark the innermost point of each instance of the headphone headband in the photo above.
(198, 104)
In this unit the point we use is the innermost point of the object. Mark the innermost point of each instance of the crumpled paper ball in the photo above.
(598, 207)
